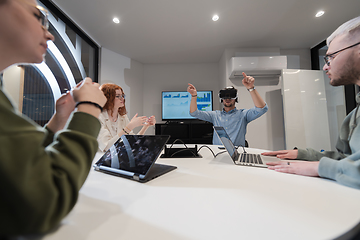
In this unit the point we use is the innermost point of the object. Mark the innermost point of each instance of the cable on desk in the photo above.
(183, 150)
(187, 149)
(177, 140)
(208, 148)
(219, 153)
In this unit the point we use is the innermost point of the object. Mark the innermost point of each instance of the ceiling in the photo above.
(181, 31)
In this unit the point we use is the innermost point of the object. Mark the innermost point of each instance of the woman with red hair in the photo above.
(114, 120)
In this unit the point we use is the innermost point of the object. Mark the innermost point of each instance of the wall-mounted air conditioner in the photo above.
(258, 67)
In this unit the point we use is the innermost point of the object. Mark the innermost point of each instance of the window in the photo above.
(72, 57)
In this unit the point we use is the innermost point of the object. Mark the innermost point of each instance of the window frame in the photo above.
(60, 14)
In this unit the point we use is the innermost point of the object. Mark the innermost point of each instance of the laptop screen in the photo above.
(225, 139)
(133, 153)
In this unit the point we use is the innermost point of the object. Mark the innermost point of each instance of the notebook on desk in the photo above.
(134, 156)
(245, 159)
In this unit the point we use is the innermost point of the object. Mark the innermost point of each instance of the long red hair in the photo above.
(109, 90)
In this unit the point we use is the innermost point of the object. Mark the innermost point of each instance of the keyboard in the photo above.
(250, 158)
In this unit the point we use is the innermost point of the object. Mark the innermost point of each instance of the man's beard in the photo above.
(230, 104)
(350, 74)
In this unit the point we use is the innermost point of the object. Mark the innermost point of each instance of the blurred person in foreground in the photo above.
(41, 169)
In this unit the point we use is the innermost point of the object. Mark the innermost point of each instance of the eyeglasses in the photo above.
(120, 96)
(329, 57)
(42, 17)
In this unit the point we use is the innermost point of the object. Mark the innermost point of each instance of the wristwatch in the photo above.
(251, 89)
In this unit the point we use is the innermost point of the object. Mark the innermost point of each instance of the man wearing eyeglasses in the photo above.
(342, 65)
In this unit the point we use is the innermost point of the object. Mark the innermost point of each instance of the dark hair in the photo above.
(109, 90)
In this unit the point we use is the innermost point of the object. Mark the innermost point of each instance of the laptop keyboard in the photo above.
(250, 158)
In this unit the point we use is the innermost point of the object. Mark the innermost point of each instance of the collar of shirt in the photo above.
(231, 111)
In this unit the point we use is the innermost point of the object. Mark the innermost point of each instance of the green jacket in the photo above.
(343, 165)
(41, 173)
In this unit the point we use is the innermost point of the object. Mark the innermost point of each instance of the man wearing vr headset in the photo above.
(232, 119)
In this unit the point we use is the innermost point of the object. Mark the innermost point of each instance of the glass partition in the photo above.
(69, 59)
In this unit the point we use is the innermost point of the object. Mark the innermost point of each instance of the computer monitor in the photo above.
(175, 105)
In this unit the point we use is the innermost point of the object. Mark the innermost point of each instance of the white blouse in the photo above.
(109, 131)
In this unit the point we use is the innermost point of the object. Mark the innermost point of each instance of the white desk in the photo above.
(211, 198)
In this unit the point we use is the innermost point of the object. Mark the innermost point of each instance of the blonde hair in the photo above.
(351, 27)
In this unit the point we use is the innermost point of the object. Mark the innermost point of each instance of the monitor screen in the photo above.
(176, 105)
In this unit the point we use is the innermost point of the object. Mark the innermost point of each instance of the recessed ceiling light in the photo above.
(319, 13)
(215, 18)
(116, 20)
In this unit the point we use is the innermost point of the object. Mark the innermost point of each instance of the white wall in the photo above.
(175, 77)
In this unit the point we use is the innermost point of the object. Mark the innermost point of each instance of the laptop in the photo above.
(245, 159)
(133, 157)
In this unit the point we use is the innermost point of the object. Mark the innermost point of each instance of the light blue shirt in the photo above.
(234, 122)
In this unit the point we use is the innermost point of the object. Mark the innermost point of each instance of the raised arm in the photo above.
(248, 82)
(193, 104)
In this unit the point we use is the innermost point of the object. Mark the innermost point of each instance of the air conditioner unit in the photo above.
(258, 67)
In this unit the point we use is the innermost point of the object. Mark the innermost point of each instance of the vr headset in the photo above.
(228, 93)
